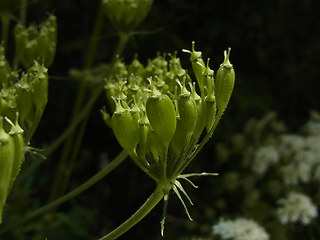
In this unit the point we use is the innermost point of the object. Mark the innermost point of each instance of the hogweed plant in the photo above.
(159, 114)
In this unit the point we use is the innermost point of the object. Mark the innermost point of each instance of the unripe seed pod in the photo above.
(125, 128)
(188, 112)
(178, 141)
(211, 110)
(17, 134)
(162, 117)
(201, 121)
(7, 151)
(198, 66)
(224, 83)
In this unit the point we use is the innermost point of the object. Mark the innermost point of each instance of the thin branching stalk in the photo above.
(97, 177)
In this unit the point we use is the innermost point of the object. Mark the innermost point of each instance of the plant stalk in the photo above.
(97, 177)
(151, 202)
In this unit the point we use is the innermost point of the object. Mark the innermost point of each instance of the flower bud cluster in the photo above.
(33, 44)
(158, 116)
(126, 15)
(26, 95)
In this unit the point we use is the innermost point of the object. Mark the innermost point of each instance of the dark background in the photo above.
(276, 56)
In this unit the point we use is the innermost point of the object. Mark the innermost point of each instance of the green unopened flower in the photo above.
(126, 15)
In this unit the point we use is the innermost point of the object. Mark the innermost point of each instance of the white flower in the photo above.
(296, 172)
(291, 143)
(296, 207)
(264, 157)
(240, 229)
(303, 164)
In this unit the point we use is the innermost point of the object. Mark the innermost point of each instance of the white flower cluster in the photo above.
(303, 155)
(264, 158)
(296, 207)
(240, 229)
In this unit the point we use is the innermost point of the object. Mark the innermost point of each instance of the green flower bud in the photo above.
(125, 128)
(136, 67)
(224, 83)
(162, 117)
(7, 155)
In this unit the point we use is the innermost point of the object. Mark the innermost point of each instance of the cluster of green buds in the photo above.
(126, 15)
(26, 95)
(36, 44)
(158, 116)
(12, 150)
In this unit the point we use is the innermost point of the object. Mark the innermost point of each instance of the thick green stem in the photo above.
(151, 202)
(119, 159)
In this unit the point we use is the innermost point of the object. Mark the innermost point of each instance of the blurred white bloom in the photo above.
(296, 207)
(264, 157)
(240, 229)
(291, 143)
(296, 172)
(303, 164)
